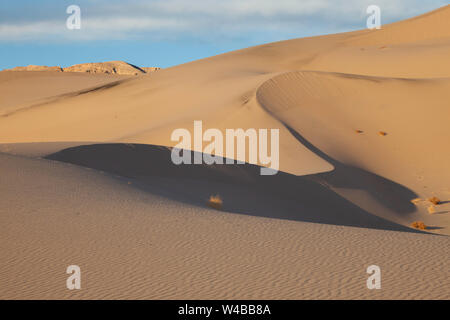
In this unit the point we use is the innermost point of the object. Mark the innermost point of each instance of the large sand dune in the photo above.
(342, 201)
(135, 241)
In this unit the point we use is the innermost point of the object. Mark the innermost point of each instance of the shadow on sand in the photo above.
(243, 189)
(386, 192)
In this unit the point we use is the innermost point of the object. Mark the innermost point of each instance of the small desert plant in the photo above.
(418, 225)
(215, 202)
(431, 210)
(434, 200)
(359, 131)
(382, 133)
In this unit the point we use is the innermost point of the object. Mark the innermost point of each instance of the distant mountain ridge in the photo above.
(109, 67)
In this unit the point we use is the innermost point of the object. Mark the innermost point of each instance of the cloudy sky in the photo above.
(169, 32)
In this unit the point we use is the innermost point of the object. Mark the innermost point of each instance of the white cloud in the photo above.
(206, 18)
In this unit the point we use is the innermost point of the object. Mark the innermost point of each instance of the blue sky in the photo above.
(169, 32)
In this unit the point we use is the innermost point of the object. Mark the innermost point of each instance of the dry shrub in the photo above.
(215, 202)
(359, 131)
(416, 200)
(434, 200)
(382, 133)
(431, 210)
(418, 225)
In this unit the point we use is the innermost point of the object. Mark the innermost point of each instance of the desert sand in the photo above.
(86, 175)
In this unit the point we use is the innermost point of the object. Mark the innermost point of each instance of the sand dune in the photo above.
(25, 90)
(411, 154)
(363, 120)
(134, 241)
(282, 196)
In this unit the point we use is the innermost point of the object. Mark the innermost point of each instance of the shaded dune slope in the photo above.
(283, 196)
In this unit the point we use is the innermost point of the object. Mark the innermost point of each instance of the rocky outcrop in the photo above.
(150, 69)
(110, 67)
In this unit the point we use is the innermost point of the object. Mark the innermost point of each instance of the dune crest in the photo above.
(434, 25)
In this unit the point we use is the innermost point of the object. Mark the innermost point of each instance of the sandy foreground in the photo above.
(86, 176)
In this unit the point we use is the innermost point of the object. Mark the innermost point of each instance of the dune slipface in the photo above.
(363, 119)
